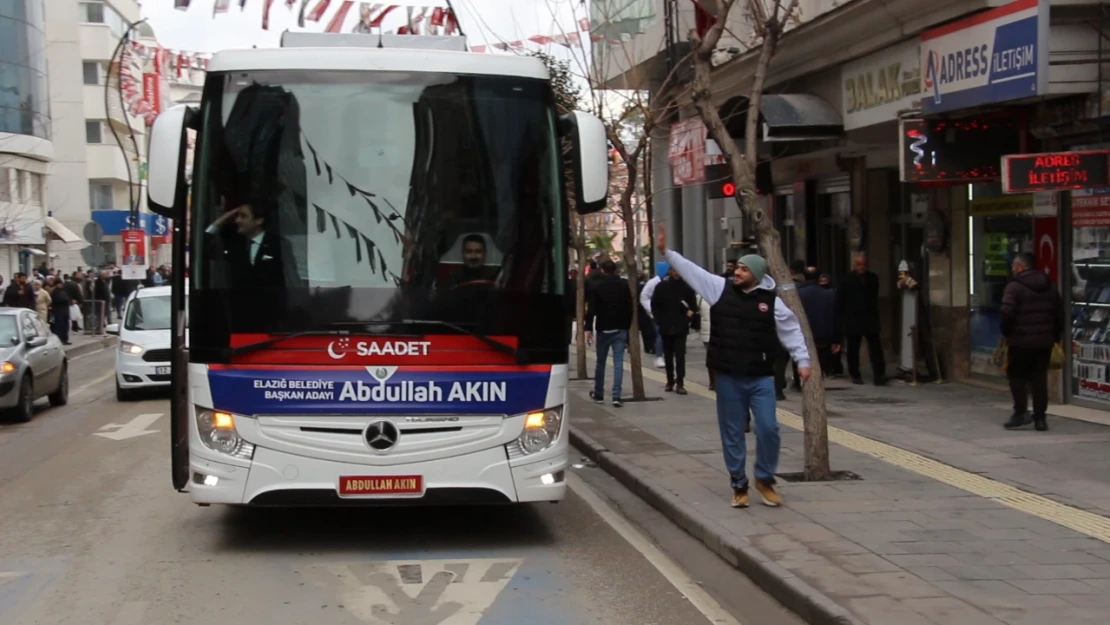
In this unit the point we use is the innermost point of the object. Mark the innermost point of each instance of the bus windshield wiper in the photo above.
(504, 348)
(264, 343)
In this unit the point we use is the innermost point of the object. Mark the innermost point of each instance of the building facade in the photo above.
(91, 174)
(26, 146)
(909, 131)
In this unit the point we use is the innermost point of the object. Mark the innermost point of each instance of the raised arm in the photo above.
(708, 285)
(705, 284)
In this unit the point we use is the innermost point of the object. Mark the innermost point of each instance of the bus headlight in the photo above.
(217, 432)
(541, 429)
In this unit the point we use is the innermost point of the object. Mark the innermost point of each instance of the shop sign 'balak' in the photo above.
(1055, 171)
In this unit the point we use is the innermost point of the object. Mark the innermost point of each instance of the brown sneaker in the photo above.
(767, 491)
(740, 497)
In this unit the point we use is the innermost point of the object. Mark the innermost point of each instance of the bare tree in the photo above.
(768, 18)
(644, 105)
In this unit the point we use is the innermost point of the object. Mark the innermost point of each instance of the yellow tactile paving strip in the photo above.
(1087, 523)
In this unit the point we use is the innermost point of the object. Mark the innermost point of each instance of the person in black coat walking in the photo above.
(858, 305)
(1032, 322)
(609, 313)
(672, 305)
(820, 306)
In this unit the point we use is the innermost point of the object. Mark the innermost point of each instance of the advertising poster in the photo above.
(134, 262)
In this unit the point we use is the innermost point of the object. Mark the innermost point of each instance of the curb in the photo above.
(91, 347)
(787, 588)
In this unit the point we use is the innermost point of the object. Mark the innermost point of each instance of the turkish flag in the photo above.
(1047, 243)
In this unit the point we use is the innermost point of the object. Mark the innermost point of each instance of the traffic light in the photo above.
(719, 183)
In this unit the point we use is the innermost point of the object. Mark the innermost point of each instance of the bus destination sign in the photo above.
(1055, 171)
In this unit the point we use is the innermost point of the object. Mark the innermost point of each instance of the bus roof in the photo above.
(378, 59)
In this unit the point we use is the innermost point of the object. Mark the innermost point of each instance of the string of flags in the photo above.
(145, 72)
(371, 16)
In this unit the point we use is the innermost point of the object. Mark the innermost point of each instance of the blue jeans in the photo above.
(617, 341)
(735, 397)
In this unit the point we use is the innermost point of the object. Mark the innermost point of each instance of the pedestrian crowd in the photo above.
(750, 336)
(71, 302)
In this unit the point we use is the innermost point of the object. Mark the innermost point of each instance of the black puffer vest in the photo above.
(742, 337)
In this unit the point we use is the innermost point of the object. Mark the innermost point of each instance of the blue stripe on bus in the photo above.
(377, 390)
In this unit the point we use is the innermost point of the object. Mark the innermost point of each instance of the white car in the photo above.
(143, 358)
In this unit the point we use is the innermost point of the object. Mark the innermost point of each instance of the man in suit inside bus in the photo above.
(256, 258)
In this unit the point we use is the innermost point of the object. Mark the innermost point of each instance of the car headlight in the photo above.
(541, 430)
(128, 347)
(217, 432)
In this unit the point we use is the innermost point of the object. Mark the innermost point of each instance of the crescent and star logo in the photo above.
(342, 345)
(1049, 259)
(381, 435)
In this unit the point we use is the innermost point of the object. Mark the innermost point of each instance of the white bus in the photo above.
(376, 248)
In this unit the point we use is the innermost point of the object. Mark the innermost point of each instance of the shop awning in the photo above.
(786, 117)
(65, 234)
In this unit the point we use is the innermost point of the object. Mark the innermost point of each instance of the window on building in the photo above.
(34, 181)
(92, 12)
(5, 184)
(101, 13)
(91, 71)
(94, 132)
(100, 196)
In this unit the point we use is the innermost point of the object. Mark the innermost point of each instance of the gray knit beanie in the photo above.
(755, 264)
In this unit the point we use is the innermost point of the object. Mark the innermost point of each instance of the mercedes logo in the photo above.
(381, 435)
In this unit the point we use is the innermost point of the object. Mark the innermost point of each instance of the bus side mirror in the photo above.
(590, 158)
(166, 187)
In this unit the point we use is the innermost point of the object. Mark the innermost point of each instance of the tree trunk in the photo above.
(631, 265)
(814, 411)
(580, 297)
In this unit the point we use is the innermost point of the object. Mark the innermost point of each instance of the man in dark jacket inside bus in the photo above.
(1032, 322)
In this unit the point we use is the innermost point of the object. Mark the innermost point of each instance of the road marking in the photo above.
(674, 574)
(422, 592)
(94, 383)
(134, 428)
(1086, 523)
(7, 576)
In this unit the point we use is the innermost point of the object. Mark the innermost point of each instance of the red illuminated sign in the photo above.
(1055, 171)
(728, 189)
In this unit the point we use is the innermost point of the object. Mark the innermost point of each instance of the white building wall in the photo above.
(71, 42)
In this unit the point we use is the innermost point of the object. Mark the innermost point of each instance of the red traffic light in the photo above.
(728, 189)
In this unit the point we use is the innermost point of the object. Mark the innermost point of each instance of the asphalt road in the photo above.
(92, 533)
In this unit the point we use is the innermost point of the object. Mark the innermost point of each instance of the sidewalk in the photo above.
(955, 519)
(86, 344)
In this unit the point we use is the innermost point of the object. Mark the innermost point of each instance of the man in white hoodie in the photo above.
(748, 321)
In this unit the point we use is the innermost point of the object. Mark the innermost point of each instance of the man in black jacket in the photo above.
(820, 306)
(858, 305)
(1032, 322)
(672, 305)
(609, 309)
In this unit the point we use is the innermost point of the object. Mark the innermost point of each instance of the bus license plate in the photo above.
(161, 371)
(356, 485)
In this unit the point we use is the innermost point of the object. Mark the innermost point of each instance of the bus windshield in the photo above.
(356, 199)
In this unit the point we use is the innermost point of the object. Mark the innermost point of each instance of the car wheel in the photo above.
(25, 409)
(123, 394)
(60, 396)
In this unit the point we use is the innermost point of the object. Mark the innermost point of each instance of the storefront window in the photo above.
(1090, 294)
(1001, 227)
